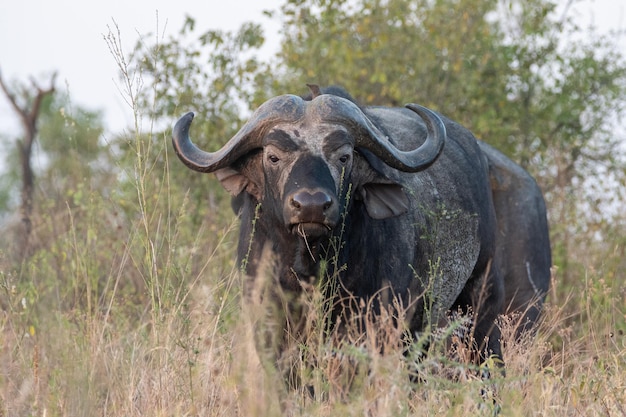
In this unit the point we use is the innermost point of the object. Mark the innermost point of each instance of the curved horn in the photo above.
(249, 137)
(372, 139)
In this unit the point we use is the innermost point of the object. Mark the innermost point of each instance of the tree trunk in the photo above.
(28, 184)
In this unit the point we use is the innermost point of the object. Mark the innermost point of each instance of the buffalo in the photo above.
(411, 210)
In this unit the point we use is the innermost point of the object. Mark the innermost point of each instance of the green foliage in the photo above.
(210, 73)
(9, 178)
(69, 153)
(69, 136)
(390, 52)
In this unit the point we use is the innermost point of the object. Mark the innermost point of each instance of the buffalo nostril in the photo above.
(315, 203)
(295, 203)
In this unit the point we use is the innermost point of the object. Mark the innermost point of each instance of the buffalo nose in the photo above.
(311, 206)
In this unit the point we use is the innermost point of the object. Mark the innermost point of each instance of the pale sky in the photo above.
(38, 37)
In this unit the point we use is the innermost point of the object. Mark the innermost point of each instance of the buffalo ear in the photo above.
(382, 196)
(231, 180)
(384, 200)
(236, 181)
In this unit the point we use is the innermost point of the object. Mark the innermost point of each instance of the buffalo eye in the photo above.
(273, 158)
(344, 158)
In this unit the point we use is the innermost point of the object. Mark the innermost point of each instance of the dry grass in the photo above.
(200, 360)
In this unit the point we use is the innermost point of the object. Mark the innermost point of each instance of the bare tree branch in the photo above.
(28, 117)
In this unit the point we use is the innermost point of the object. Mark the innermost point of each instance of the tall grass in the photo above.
(198, 357)
(133, 307)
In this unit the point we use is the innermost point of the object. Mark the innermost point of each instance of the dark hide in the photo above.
(523, 243)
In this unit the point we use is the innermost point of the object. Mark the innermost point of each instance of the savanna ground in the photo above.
(124, 317)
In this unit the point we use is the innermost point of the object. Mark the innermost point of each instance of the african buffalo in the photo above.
(400, 198)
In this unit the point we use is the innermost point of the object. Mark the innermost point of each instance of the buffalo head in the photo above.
(306, 153)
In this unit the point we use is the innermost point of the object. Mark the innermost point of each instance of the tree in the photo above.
(212, 73)
(28, 112)
(70, 160)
